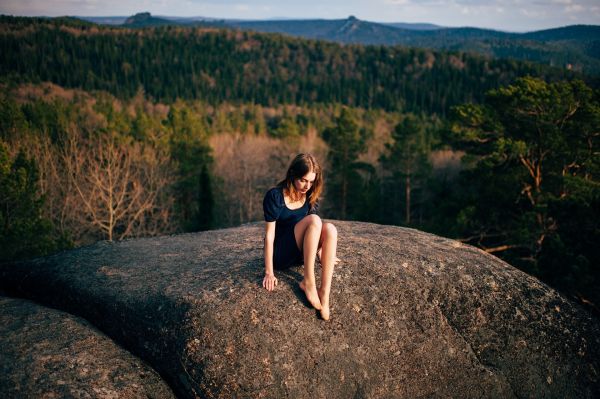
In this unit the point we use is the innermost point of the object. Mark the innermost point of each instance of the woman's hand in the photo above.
(270, 281)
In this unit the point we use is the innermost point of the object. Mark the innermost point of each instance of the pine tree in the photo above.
(346, 142)
(407, 163)
(191, 152)
(534, 184)
(24, 232)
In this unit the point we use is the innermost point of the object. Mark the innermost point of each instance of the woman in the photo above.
(295, 234)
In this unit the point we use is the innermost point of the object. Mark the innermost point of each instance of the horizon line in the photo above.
(284, 19)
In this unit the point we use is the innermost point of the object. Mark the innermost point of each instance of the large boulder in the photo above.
(413, 315)
(46, 353)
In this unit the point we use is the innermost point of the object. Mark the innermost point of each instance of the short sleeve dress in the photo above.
(285, 252)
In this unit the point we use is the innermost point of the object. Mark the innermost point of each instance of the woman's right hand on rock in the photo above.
(269, 282)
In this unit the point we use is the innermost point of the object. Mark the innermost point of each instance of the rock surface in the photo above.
(413, 315)
(46, 353)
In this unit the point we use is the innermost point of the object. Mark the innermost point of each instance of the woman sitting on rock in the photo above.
(296, 235)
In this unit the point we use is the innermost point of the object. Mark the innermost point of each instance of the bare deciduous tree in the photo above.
(118, 184)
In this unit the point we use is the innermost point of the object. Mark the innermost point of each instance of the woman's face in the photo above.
(304, 183)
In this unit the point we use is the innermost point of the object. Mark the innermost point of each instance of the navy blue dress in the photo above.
(285, 252)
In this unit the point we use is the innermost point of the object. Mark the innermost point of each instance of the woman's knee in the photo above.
(330, 231)
(314, 220)
(310, 224)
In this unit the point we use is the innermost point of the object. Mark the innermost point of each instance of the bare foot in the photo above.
(325, 307)
(325, 313)
(311, 295)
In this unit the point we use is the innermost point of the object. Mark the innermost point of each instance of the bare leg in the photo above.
(307, 233)
(328, 250)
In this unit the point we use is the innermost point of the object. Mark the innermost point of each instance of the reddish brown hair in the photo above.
(300, 166)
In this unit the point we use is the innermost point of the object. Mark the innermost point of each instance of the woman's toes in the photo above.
(325, 313)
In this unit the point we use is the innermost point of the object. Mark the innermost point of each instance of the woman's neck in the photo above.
(294, 197)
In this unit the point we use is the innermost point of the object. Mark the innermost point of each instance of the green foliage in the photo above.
(51, 118)
(284, 127)
(346, 142)
(219, 66)
(13, 122)
(528, 190)
(569, 258)
(573, 47)
(533, 194)
(24, 233)
(191, 153)
(408, 168)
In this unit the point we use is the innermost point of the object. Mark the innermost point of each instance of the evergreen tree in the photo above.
(24, 233)
(285, 126)
(346, 142)
(12, 120)
(206, 202)
(191, 152)
(408, 165)
(534, 187)
(219, 66)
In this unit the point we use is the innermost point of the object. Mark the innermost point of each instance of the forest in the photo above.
(217, 65)
(112, 133)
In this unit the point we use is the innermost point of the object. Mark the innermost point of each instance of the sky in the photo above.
(507, 15)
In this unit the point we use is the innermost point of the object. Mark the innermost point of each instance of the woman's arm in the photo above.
(269, 282)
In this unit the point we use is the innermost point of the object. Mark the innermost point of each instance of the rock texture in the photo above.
(46, 353)
(413, 315)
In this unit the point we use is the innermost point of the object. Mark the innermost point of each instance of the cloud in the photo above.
(398, 2)
(535, 13)
(574, 8)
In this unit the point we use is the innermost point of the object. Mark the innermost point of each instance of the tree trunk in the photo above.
(344, 194)
(407, 195)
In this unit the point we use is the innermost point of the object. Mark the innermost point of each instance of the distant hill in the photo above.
(574, 47)
(350, 30)
(413, 26)
(217, 65)
(105, 20)
(573, 32)
(144, 19)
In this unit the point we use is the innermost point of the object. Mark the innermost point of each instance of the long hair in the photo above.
(300, 166)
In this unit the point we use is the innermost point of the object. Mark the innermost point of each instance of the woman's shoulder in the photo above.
(275, 194)
(273, 204)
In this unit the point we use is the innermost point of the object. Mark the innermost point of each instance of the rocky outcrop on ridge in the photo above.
(46, 353)
(413, 315)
